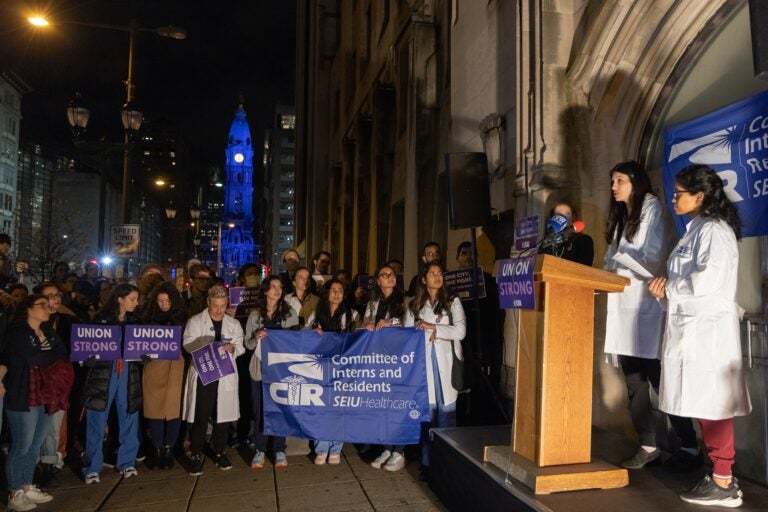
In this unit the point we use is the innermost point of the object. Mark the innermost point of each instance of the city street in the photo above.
(351, 486)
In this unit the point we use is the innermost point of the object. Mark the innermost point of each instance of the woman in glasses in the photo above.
(441, 317)
(386, 309)
(272, 312)
(38, 380)
(332, 315)
(702, 367)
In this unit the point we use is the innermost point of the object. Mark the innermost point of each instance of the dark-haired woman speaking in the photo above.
(701, 362)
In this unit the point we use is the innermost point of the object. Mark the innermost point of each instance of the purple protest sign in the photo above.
(238, 294)
(516, 283)
(460, 282)
(212, 363)
(100, 341)
(527, 233)
(156, 341)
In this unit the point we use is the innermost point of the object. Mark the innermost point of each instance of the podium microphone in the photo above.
(555, 238)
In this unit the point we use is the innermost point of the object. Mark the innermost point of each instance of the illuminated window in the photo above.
(288, 122)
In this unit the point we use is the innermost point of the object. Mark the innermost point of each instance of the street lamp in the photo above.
(78, 116)
(196, 243)
(131, 116)
(170, 211)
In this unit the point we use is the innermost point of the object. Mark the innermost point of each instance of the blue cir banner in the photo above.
(734, 142)
(362, 387)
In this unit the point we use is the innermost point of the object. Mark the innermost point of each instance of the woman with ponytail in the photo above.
(701, 357)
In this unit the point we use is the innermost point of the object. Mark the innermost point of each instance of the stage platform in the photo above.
(463, 482)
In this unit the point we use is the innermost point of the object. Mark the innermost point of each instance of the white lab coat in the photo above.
(254, 325)
(635, 320)
(445, 333)
(354, 317)
(373, 307)
(199, 331)
(701, 375)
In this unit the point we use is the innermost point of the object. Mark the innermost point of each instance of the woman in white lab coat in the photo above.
(441, 317)
(218, 399)
(638, 239)
(701, 357)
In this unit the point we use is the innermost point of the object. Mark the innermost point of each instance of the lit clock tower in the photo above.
(237, 243)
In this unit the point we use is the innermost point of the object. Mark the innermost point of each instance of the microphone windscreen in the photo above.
(578, 226)
(557, 223)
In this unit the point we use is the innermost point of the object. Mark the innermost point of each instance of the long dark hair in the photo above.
(620, 221)
(444, 299)
(111, 310)
(323, 318)
(283, 309)
(392, 304)
(21, 313)
(151, 312)
(700, 178)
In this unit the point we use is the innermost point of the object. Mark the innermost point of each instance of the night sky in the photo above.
(237, 46)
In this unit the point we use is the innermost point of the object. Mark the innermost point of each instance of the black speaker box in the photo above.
(758, 22)
(469, 197)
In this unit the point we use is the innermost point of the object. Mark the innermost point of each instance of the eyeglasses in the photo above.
(676, 194)
(53, 296)
(431, 254)
(323, 260)
(43, 304)
(387, 275)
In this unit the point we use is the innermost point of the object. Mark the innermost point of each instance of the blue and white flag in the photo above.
(734, 142)
(362, 387)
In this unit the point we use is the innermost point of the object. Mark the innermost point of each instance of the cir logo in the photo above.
(414, 414)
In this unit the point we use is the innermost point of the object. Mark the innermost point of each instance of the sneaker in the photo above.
(707, 492)
(682, 460)
(59, 464)
(92, 478)
(641, 459)
(257, 462)
(334, 459)
(35, 495)
(167, 455)
(381, 459)
(280, 460)
(196, 465)
(19, 501)
(396, 462)
(320, 459)
(222, 461)
(129, 472)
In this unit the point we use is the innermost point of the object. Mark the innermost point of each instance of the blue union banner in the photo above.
(362, 387)
(734, 142)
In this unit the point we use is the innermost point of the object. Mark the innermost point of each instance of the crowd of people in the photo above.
(675, 329)
(100, 413)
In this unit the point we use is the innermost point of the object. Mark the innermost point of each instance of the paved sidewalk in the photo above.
(351, 486)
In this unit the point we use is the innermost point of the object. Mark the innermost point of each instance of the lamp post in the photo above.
(194, 212)
(131, 116)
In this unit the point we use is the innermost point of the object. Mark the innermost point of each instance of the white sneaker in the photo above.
(381, 459)
(395, 463)
(92, 478)
(19, 501)
(35, 495)
(129, 472)
(59, 461)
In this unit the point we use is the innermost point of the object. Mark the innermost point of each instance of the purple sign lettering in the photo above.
(238, 294)
(460, 283)
(156, 341)
(516, 283)
(100, 341)
(212, 363)
(527, 233)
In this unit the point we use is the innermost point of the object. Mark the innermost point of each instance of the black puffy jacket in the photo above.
(98, 374)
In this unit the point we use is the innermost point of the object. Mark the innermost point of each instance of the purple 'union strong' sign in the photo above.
(102, 342)
(156, 341)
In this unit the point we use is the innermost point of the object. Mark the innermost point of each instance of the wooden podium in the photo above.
(552, 430)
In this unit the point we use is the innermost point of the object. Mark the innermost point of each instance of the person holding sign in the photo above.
(702, 374)
(302, 299)
(37, 382)
(331, 315)
(638, 236)
(218, 400)
(443, 321)
(118, 381)
(162, 381)
(386, 309)
(272, 312)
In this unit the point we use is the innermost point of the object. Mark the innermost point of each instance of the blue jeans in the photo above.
(28, 430)
(441, 414)
(328, 447)
(50, 449)
(128, 427)
(259, 439)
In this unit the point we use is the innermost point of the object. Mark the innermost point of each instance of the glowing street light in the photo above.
(38, 21)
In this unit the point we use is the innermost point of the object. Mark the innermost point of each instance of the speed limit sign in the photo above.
(125, 240)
